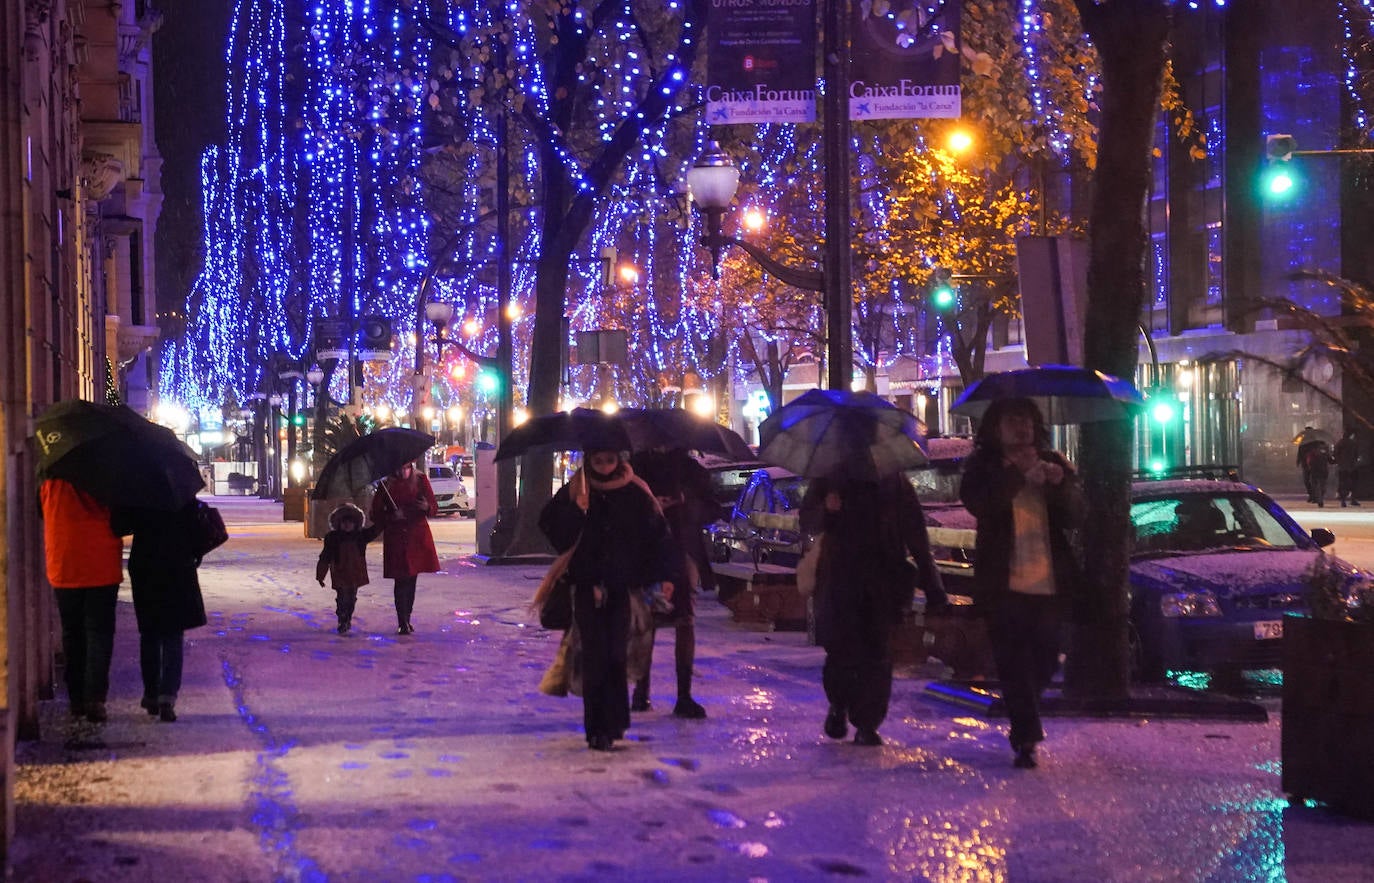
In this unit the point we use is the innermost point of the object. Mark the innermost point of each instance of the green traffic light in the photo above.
(1279, 182)
(942, 298)
(297, 419)
(487, 382)
(1162, 412)
(1158, 466)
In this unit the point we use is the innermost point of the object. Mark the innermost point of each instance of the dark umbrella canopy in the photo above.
(367, 459)
(651, 428)
(1310, 436)
(1064, 394)
(576, 430)
(826, 432)
(116, 456)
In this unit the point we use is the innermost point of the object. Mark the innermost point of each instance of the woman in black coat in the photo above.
(1027, 499)
(167, 599)
(619, 543)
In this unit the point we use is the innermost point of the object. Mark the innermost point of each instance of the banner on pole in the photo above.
(760, 65)
(904, 60)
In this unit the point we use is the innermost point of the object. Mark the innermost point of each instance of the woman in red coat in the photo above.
(402, 504)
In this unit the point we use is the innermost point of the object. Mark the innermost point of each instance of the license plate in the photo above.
(1269, 630)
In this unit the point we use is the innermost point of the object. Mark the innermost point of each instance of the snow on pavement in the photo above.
(303, 755)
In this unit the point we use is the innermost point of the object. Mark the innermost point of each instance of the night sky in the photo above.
(188, 82)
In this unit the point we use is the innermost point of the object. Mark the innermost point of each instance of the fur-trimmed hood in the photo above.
(346, 510)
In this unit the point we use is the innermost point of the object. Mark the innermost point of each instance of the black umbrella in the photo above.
(367, 459)
(1310, 436)
(575, 430)
(116, 456)
(1064, 394)
(827, 432)
(651, 428)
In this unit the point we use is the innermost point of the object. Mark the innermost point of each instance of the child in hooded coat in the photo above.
(344, 558)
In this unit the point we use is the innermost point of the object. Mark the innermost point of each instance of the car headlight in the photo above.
(1202, 603)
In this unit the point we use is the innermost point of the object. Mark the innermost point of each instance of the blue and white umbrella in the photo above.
(828, 432)
(1064, 394)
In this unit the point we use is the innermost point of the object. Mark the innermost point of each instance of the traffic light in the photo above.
(608, 259)
(1163, 409)
(1278, 180)
(298, 418)
(488, 381)
(942, 296)
(1279, 148)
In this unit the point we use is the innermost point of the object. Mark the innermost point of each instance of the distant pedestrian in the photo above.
(167, 598)
(344, 559)
(683, 489)
(1347, 456)
(1303, 449)
(1027, 499)
(607, 523)
(402, 506)
(1317, 466)
(85, 566)
(864, 584)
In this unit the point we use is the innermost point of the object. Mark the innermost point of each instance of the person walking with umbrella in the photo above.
(84, 560)
(167, 598)
(1026, 498)
(616, 541)
(864, 585)
(683, 489)
(402, 505)
(855, 447)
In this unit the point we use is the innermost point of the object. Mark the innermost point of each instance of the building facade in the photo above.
(78, 196)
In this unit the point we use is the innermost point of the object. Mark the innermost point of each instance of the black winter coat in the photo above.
(988, 487)
(864, 581)
(622, 539)
(162, 568)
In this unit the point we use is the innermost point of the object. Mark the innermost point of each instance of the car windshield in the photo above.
(1204, 521)
(440, 472)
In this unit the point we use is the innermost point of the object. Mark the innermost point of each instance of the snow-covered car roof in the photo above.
(1175, 486)
(948, 447)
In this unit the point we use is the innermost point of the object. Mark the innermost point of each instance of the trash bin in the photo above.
(293, 504)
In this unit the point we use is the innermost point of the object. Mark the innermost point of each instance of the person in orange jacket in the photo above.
(85, 566)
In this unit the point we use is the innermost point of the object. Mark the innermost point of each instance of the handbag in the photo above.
(807, 567)
(556, 613)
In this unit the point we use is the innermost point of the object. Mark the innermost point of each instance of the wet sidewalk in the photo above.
(303, 755)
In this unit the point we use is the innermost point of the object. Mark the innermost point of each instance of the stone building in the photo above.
(78, 199)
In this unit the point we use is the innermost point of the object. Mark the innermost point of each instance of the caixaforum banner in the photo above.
(761, 66)
(904, 63)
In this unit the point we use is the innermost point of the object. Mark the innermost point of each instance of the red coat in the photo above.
(407, 544)
(82, 550)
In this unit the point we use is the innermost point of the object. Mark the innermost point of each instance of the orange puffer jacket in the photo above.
(82, 550)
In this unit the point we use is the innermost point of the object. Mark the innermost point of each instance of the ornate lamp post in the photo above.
(315, 377)
(712, 182)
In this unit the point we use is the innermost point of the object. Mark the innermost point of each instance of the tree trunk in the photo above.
(1130, 37)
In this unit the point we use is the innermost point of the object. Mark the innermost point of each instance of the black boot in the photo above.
(684, 656)
(639, 701)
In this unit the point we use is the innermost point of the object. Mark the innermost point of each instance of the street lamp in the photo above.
(274, 414)
(315, 377)
(712, 182)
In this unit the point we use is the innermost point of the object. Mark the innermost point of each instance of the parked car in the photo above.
(1215, 567)
(728, 478)
(450, 492)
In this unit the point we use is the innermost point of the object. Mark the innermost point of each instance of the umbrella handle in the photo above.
(390, 499)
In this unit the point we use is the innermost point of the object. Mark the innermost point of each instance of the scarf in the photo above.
(624, 476)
